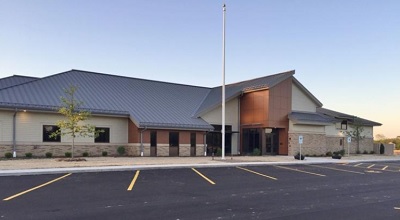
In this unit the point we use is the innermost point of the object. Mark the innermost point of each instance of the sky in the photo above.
(345, 52)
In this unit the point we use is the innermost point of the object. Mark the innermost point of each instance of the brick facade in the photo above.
(59, 150)
(313, 144)
(319, 144)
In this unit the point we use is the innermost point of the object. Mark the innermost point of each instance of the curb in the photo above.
(175, 166)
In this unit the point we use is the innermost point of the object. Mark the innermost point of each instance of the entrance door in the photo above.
(251, 140)
(272, 142)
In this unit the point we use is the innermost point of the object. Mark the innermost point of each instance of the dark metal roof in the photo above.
(310, 118)
(15, 80)
(149, 103)
(342, 116)
(214, 97)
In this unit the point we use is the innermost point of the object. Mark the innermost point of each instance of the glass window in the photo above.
(344, 125)
(47, 131)
(104, 136)
(153, 138)
(174, 139)
(214, 138)
(193, 139)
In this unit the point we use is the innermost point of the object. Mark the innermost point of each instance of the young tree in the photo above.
(356, 131)
(72, 125)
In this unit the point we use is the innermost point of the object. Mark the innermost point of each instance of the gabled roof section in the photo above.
(308, 93)
(15, 80)
(338, 116)
(310, 118)
(149, 103)
(214, 97)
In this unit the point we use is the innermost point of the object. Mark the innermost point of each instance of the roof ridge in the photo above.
(33, 80)
(128, 77)
(261, 77)
(194, 114)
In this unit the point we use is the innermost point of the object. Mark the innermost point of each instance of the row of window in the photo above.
(104, 136)
(173, 139)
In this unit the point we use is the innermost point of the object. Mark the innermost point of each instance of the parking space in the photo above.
(387, 166)
(243, 191)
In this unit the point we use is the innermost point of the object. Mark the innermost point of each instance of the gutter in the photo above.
(14, 133)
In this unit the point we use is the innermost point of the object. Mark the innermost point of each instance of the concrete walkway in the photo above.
(103, 164)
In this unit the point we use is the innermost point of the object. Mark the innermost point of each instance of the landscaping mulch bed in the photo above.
(71, 159)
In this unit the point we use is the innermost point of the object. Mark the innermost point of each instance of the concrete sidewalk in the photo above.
(103, 164)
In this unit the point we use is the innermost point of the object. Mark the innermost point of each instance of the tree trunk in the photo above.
(73, 146)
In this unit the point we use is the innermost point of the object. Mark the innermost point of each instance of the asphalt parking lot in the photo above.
(325, 191)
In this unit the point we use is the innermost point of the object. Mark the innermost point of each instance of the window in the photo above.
(104, 136)
(214, 138)
(174, 139)
(153, 138)
(47, 131)
(343, 125)
(193, 139)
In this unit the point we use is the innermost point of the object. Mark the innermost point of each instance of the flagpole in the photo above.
(223, 81)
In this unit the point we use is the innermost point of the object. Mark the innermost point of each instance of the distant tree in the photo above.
(380, 137)
(72, 125)
(356, 131)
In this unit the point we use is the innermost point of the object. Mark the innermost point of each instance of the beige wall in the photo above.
(319, 129)
(300, 101)
(231, 118)
(29, 128)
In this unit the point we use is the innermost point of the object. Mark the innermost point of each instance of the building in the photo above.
(152, 118)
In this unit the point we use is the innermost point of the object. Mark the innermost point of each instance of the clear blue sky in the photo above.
(346, 52)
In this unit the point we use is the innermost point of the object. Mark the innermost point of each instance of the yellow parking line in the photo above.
(130, 187)
(358, 164)
(260, 174)
(301, 171)
(385, 168)
(200, 174)
(331, 168)
(371, 166)
(34, 188)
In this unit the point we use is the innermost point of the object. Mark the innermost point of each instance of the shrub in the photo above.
(121, 150)
(297, 156)
(219, 152)
(256, 152)
(48, 155)
(365, 152)
(28, 155)
(104, 153)
(342, 152)
(85, 154)
(371, 152)
(358, 152)
(328, 154)
(68, 154)
(8, 155)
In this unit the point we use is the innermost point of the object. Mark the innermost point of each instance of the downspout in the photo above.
(14, 131)
(205, 143)
(141, 141)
